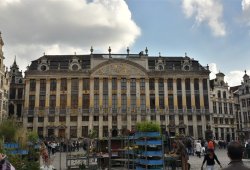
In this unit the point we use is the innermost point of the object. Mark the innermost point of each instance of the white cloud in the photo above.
(246, 11)
(208, 11)
(30, 27)
(214, 70)
(233, 78)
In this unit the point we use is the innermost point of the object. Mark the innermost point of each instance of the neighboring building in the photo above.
(69, 95)
(4, 84)
(244, 103)
(222, 102)
(16, 92)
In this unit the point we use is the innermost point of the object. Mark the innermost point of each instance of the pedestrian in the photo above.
(198, 148)
(5, 164)
(210, 158)
(235, 153)
(210, 145)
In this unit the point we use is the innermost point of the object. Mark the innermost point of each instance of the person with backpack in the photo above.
(4, 163)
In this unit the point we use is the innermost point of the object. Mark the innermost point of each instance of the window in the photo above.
(133, 118)
(85, 101)
(171, 102)
(12, 93)
(42, 85)
(32, 85)
(142, 84)
(161, 101)
(187, 84)
(151, 84)
(230, 108)
(124, 103)
(40, 119)
(181, 118)
(124, 118)
(170, 84)
(198, 117)
(219, 94)
(85, 131)
(179, 101)
(161, 85)
(220, 108)
(225, 108)
(133, 102)
(96, 102)
(143, 103)
(224, 95)
(105, 101)
(42, 102)
(20, 93)
(114, 102)
(215, 120)
(197, 101)
(196, 85)
(162, 117)
(30, 119)
(133, 86)
(63, 84)
(204, 82)
(52, 102)
(86, 84)
(206, 101)
(105, 118)
(188, 101)
(73, 118)
(51, 119)
(190, 117)
(74, 85)
(62, 118)
(74, 101)
(214, 107)
(96, 84)
(243, 102)
(152, 101)
(179, 84)
(85, 118)
(63, 101)
(114, 84)
(248, 102)
(31, 102)
(52, 84)
(123, 84)
(73, 131)
(105, 86)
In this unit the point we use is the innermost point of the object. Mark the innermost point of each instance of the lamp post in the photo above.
(109, 149)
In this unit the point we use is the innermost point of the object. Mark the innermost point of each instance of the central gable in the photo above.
(119, 69)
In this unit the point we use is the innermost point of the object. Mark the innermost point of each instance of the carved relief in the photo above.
(119, 69)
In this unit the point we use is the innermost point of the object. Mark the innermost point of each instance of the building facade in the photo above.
(16, 92)
(4, 84)
(70, 95)
(244, 104)
(223, 109)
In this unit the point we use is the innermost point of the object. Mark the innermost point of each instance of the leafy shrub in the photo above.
(148, 127)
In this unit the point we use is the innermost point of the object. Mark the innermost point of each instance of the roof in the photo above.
(234, 88)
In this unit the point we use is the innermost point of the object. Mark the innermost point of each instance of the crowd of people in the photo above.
(235, 150)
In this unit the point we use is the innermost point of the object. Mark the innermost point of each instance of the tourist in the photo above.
(4, 163)
(198, 148)
(235, 153)
(210, 158)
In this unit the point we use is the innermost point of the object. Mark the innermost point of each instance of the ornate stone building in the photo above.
(243, 94)
(4, 84)
(223, 109)
(16, 92)
(69, 95)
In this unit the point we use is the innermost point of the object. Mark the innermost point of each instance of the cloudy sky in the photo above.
(215, 32)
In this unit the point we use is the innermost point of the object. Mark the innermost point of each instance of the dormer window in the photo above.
(43, 67)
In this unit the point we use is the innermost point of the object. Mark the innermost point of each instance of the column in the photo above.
(201, 93)
(100, 92)
(138, 99)
(37, 93)
(91, 103)
(192, 92)
(47, 93)
(110, 92)
(100, 126)
(157, 100)
(128, 104)
(195, 130)
(27, 89)
(79, 115)
(166, 101)
(80, 92)
(119, 101)
(147, 97)
(183, 87)
(67, 130)
(58, 87)
(175, 94)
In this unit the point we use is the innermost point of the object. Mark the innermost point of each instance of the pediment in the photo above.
(119, 69)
